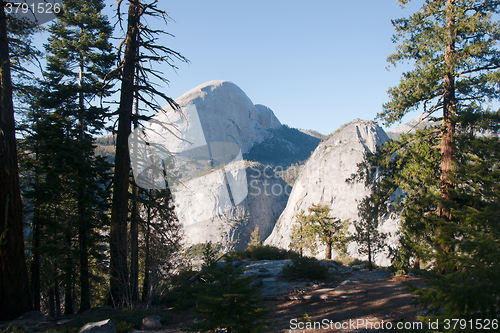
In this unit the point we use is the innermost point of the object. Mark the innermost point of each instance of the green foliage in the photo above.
(319, 225)
(65, 186)
(197, 251)
(448, 175)
(227, 302)
(262, 252)
(273, 150)
(304, 318)
(123, 327)
(124, 320)
(305, 268)
(371, 208)
(255, 238)
(209, 255)
(423, 38)
(303, 236)
(12, 329)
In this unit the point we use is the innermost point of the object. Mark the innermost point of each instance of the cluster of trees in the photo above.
(318, 226)
(448, 174)
(443, 181)
(81, 211)
(84, 220)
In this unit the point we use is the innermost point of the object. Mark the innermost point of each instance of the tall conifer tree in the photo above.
(139, 46)
(446, 208)
(79, 57)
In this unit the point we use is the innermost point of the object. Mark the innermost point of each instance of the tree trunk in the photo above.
(15, 296)
(328, 251)
(134, 248)
(370, 266)
(145, 285)
(119, 213)
(416, 262)
(52, 307)
(83, 227)
(35, 264)
(56, 292)
(68, 278)
(448, 125)
(134, 227)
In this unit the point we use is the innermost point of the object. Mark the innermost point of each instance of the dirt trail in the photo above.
(371, 299)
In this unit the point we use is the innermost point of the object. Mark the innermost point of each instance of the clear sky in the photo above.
(317, 64)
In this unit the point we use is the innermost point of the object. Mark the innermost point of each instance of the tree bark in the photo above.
(56, 292)
(448, 124)
(52, 307)
(15, 296)
(35, 264)
(83, 227)
(145, 285)
(68, 277)
(370, 265)
(134, 227)
(328, 251)
(119, 212)
(447, 128)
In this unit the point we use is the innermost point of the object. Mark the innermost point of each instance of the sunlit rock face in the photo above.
(323, 181)
(227, 114)
(197, 150)
(208, 213)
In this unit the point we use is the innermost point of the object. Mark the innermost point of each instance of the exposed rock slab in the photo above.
(323, 181)
(226, 114)
(151, 323)
(207, 212)
(104, 326)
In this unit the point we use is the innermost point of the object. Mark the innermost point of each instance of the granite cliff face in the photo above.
(208, 213)
(218, 197)
(227, 114)
(323, 181)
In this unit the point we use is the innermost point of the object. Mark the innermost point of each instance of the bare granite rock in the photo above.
(323, 181)
(151, 323)
(104, 326)
(207, 213)
(226, 114)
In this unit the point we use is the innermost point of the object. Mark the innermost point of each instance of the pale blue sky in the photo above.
(317, 64)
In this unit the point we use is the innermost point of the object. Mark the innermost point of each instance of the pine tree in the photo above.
(319, 224)
(227, 301)
(369, 239)
(453, 46)
(69, 187)
(162, 240)
(139, 46)
(23, 54)
(255, 238)
(302, 237)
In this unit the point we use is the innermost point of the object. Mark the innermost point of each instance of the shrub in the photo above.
(227, 301)
(305, 268)
(266, 252)
(123, 327)
(262, 252)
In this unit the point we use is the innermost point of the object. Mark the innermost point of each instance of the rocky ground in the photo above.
(354, 296)
(354, 300)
